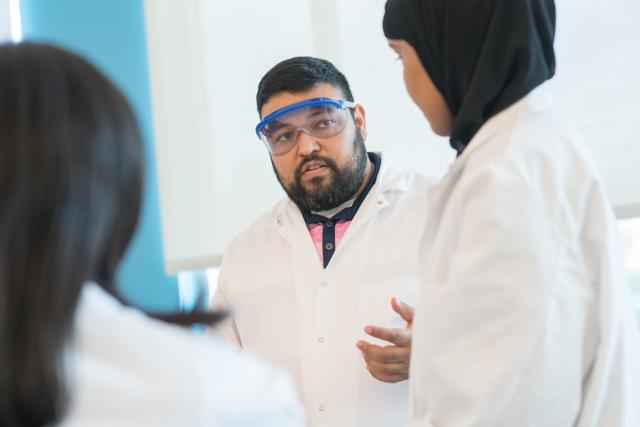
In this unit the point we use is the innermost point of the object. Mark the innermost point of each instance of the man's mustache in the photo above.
(327, 161)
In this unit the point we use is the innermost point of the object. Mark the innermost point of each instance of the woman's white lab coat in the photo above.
(128, 370)
(525, 317)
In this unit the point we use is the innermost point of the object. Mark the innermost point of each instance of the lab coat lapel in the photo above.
(375, 202)
(292, 228)
(371, 206)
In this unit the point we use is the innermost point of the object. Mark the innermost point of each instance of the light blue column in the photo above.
(111, 34)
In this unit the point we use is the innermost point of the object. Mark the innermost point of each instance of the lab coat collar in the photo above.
(390, 179)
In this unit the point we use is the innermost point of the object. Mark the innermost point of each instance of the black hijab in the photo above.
(482, 55)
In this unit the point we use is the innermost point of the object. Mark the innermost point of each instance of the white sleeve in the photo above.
(493, 346)
(226, 328)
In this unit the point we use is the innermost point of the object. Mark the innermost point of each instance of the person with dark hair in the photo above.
(71, 178)
(525, 317)
(310, 282)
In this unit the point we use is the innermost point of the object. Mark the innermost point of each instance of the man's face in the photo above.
(320, 174)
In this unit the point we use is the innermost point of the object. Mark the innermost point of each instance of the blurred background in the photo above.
(191, 68)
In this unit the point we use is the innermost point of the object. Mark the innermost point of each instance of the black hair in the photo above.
(300, 74)
(71, 181)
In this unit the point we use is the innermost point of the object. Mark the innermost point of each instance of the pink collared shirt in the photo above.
(315, 230)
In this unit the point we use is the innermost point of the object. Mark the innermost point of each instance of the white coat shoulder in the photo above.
(264, 227)
(531, 142)
(126, 369)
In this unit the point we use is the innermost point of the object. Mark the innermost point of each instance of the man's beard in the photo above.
(331, 191)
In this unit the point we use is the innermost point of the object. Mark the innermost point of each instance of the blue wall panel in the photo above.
(111, 34)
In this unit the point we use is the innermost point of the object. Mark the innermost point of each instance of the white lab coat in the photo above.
(525, 317)
(125, 369)
(287, 308)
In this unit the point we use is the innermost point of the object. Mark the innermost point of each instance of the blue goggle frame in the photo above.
(338, 103)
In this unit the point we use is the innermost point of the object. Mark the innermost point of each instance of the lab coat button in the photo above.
(324, 283)
(321, 408)
(320, 340)
(380, 202)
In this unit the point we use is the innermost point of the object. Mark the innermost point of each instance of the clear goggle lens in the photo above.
(319, 117)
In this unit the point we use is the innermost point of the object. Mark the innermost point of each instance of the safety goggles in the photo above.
(318, 117)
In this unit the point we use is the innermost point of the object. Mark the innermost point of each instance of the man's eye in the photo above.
(326, 123)
(284, 137)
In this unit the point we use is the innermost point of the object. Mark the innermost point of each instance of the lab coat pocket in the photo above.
(375, 302)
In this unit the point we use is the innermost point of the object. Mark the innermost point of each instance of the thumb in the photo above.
(403, 309)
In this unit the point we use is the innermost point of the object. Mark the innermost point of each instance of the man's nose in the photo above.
(307, 144)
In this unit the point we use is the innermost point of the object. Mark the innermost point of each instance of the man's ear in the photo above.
(359, 115)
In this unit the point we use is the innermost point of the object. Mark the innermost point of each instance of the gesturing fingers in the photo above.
(388, 354)
(388, 372)
(403, 309)
(399, 337)
(388, 364)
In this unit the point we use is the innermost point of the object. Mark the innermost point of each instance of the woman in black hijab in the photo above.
(524, 319)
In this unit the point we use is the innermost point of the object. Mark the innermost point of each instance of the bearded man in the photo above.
(324, 282)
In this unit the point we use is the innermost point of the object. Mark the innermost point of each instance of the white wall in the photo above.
(207, 57)
(598, 87)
